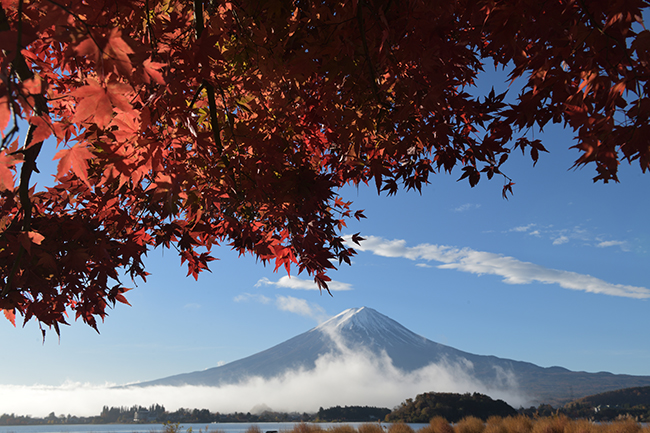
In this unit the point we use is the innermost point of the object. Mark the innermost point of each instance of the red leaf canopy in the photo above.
(193, 124)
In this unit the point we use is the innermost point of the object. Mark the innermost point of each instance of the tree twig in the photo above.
(30, 150)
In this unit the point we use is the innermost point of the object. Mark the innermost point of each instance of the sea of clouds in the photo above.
(345, 377)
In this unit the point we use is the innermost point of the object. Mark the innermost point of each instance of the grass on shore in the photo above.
(516, 424)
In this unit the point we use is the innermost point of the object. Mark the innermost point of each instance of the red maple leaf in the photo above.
(94, 104)
(75, 159)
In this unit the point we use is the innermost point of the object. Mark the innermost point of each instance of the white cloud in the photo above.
(560, 240)
(523, 228)
(512, 270)
(366, 379)
(606, 244)
(466, 207)
(245, 297)
(301, 307)
(288, 303)
(300, 284)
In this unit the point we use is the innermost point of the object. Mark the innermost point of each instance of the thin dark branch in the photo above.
(30, 150)
(214, 121)
(196, 95)
(371, 69)
(152, 35)
(231, 122)
(198, 17)
(209, 88)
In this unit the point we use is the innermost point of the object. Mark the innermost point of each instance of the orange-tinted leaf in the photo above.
(33, 85)
(75, 159)
(27, 239)
(11, 316)
(43, 129)
(118, 52)
(94, 104)
(35, 237)
(87, 47)
(117, 94)
(152, 70)
(5, 114)
(7, 162)
(6, 177)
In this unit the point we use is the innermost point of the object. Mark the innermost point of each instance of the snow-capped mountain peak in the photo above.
(370, 324)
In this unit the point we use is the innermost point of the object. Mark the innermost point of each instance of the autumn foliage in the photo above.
(189, 125)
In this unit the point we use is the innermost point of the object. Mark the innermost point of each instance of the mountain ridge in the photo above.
(366, 330)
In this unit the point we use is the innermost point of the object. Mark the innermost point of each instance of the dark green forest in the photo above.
(158, 414)
(633, 402)
(352, 414)
(452, 407)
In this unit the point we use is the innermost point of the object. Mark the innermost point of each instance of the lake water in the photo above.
(152, 428)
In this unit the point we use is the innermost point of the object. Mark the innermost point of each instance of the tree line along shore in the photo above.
(629, 404)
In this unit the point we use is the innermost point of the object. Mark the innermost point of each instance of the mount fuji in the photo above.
(377, 337)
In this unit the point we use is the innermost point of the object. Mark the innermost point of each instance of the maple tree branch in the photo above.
(231, 122)
(209, 88)
(196, 95)
(14, 129)
(214, 121)
(198, 17)
(152, 35)
(30, 150)
(362, 30)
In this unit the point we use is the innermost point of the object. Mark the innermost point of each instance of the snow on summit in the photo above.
(370, 324)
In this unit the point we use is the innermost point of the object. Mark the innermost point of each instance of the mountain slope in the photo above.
(628, 397)
(364, 329)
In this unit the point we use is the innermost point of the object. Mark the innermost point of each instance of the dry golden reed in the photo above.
(495, 424)
(254, 429)
(437, 424)
(370, 428)
(517, 424)
(341, 429)
(470, 424)
(400, 427)
(625, 425)
(551, 424)
(584, 426)
(306, 428)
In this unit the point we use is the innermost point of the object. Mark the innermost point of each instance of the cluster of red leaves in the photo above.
(192, 124)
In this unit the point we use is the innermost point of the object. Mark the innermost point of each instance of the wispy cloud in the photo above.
(522, 228)
(560, 236)
(300, 284)
(246, 297)
(606, 244)
(288, 303)
(512, 270)
(467, 206)
(560, 240)
(301, 307)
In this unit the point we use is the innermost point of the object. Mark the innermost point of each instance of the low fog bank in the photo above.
(351, 377)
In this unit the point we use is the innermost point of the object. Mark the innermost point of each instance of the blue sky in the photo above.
(556, 275)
